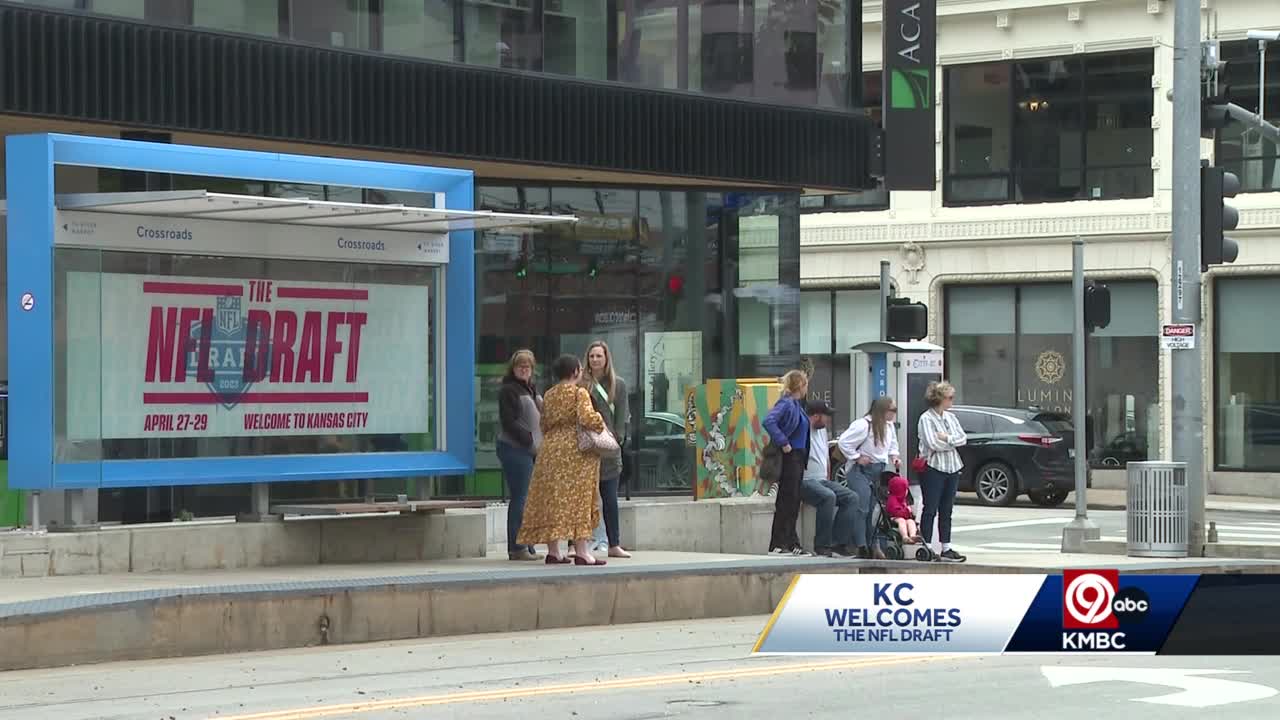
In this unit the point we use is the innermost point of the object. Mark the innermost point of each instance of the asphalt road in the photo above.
(1031, 530)
(640, 672)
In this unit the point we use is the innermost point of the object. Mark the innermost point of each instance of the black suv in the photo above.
(1012, 451)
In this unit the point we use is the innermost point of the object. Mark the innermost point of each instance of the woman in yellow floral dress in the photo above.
(564, 492)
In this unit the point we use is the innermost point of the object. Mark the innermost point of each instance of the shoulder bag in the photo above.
(601, 443)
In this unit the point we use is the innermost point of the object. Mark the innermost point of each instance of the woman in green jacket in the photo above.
(609, 397)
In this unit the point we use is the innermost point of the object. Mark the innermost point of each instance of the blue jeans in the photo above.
(939, 490)
(862, 481)
(835, 504)
(609, 511)
(517, 470)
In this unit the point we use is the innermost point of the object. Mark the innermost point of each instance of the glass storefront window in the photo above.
(1010, 346)
(501, 35)
(857, 318)
(1247, 374)
(979, 127)
(419, 28)
(643, 271)
(136, 9)
(335, 23)
(242, 16)
(831, 323)
(649, 49)
(815, 322)
(786, 61)
(789, 52)
(835, 68)
(980, 344)
(576, 38)
(1044, 130)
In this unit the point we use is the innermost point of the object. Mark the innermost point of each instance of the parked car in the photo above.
(1124, 448)
(1017, 451)
(665, 458)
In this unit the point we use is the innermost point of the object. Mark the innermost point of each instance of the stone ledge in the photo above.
(185, 547)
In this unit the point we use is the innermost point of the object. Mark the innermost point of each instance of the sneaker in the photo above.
(522, 554)
(773, 490)
(951, 555)
(778, 551)
(877, 552)
(844, 551)
(801, 552)
(926, 554)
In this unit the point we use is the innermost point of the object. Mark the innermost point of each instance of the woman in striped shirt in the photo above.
(940, 434)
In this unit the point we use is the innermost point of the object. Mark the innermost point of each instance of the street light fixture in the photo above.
(1263, 37)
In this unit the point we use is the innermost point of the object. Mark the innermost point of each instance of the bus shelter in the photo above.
(194, 337)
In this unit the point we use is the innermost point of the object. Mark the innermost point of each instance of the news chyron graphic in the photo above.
(1095, 608)
(1103, 611)
(1078, 611)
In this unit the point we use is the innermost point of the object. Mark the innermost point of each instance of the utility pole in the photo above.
(1186, 381)
(884, 300)
(1081, 528)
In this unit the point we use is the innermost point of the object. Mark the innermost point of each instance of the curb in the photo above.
(196, 621)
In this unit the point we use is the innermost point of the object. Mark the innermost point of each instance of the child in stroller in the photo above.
(889, 534)
(899, 508)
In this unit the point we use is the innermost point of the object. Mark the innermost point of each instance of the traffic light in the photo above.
(522, 266)
(1097, 305)
(673, 291)
(1213, 116)
(907, 320)
(1217, 216)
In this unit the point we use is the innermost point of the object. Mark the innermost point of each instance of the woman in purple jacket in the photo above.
(788, 428)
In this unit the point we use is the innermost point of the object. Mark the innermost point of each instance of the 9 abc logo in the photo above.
(1093, 600)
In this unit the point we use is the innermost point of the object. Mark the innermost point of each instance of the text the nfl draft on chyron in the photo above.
(1079, 611)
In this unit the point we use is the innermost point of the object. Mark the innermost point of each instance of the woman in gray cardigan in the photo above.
(609, 396)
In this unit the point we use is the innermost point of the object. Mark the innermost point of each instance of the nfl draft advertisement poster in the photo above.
(201, 357)
(1079, 611)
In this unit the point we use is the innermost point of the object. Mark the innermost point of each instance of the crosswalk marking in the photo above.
(1012, 524)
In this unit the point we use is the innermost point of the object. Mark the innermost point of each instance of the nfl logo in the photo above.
(226, 352)
(228, 315)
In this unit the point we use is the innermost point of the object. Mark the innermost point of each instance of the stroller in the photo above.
(885, 530)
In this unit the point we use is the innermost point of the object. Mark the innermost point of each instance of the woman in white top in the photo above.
(940, 434)
(871, 445)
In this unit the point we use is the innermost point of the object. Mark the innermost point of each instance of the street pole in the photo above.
(1262, 79)
(884, 300)
(1081, 528)
(1186, 381)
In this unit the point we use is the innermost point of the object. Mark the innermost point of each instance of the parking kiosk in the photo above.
(194, 337)
(903, 371)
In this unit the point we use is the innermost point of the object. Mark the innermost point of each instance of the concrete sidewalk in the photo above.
(58, 621)
(30, 594)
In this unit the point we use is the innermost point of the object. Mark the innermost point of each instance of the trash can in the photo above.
(1156, 517)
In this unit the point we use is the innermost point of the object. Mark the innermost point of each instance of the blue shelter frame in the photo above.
(30, 163)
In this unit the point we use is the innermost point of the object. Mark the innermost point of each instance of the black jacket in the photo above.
(513, 416)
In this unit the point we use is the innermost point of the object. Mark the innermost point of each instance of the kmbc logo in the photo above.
(1094, 600)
